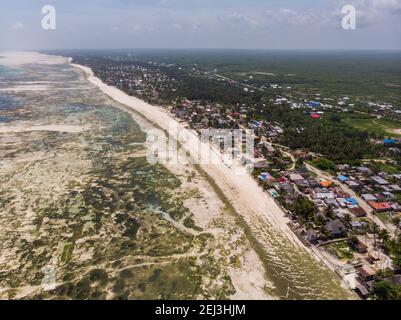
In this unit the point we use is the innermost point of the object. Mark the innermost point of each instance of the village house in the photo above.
(365, 274)
(380, 206)
(336, 228)
(358, 245)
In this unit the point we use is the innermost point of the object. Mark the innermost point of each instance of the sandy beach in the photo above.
(258, 209)
(241, 190)
(247, 277)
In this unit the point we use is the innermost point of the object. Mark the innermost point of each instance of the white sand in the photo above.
(29, 87)
(241, 190)
(18, 59)
(49, 128)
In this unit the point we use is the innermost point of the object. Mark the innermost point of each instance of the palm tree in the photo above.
(330, 213)
(347, 219)
(375, 229)
(396, 222)
(384, 236)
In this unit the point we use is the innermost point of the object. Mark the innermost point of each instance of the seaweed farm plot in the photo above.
(81, 206)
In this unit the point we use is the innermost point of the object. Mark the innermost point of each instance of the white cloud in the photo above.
(178, 26)
(393, 6)
(297, 19)
(18, 25)
(371, 12)
(238, 20)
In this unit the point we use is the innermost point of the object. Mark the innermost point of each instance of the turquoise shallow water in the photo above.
(6, 102)
(6, 72)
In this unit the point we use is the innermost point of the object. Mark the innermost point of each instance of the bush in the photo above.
(386, 291)
(324, 164)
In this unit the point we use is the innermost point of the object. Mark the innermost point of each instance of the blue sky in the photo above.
(246, 24)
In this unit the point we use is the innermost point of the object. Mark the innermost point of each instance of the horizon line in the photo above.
(214, 48)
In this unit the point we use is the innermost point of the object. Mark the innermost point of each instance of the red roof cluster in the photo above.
(380, 206)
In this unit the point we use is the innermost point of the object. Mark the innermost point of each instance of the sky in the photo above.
(246, 24)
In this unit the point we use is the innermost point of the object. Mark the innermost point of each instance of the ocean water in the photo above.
(8, 73)
(71, 100)
(7, 101)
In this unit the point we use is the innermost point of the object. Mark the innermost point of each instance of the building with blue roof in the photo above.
(351, 201)
(265, 176)
(389, 141)
(342, 178)
(313, 104)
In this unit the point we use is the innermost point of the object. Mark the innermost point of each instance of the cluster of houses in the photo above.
(147, 83)
(314, 103)
(333, 204)
(382, 109)
(341, 218)
(379, 189)
(199, 115)
(318, 104)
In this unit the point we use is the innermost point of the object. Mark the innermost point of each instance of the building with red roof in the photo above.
(380, 206)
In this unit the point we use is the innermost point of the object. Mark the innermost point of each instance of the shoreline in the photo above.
(229, 183)
(236, 271)
(244, 194)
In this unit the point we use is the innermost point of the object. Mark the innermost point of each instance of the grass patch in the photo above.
(341, 250)
(323, 164)
(380, 166)
(375, 127)
(384, 216)
(66, 252)
(190, 223)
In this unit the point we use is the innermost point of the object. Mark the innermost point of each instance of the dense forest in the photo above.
(329, 136)
(336, 142)
(194, 88)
